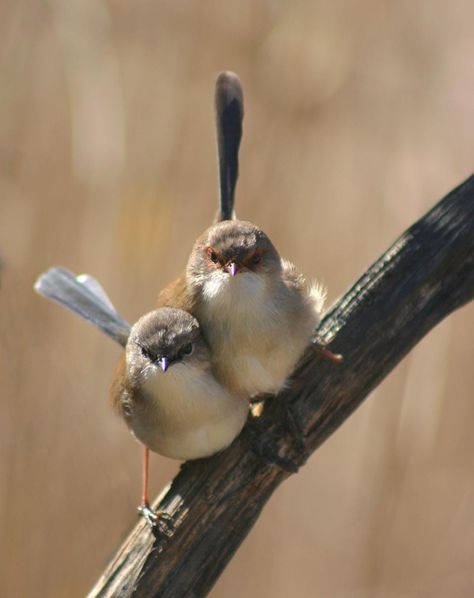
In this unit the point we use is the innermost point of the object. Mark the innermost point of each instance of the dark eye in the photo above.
(213, 256)
(148, 354)
(257, 258)
(187, 349)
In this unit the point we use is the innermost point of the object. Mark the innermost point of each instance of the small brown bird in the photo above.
(168, 395)
(256, 310)
(165, 388)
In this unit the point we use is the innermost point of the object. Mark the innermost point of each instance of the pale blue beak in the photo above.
(164, 363)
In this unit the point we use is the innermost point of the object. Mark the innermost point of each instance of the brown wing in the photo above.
(176, 295)
(119, 391)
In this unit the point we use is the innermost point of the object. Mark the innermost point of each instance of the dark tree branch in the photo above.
(426, 274)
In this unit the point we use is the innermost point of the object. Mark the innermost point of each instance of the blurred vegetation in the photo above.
(359, 116)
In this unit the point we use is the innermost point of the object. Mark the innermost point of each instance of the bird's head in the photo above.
(233, 253)
(163, 338)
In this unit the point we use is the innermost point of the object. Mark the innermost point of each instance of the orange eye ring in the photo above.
(212, 255)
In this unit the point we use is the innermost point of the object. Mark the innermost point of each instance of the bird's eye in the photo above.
(213, 256)
(148, 354)
(187, 349)
(256, 259)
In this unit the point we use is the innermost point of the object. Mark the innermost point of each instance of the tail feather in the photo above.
(84, 296)
(229, 116)
(96, 288)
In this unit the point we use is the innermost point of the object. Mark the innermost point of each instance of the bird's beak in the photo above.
(232, 268)
(164, 363)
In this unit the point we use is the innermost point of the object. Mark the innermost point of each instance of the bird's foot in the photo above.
(148, 514)
(160, 523)
(321, 349)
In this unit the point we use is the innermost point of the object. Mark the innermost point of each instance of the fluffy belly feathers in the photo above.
(197, 419)
(255, 345)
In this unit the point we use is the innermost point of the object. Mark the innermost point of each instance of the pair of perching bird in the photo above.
(232, 327)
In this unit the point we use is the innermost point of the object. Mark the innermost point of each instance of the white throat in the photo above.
(234, 293)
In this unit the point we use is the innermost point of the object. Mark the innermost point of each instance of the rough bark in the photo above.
(212, 504)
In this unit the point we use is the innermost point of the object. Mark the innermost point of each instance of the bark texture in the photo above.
(212, 504)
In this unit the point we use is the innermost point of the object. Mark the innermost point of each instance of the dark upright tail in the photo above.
(229, 115)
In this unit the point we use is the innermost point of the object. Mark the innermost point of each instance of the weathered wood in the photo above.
(425, 275)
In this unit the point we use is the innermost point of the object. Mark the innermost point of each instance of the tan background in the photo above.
(359, 116)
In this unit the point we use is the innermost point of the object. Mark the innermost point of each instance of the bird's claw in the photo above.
(160, 523)
(148, 514)
(320, 348)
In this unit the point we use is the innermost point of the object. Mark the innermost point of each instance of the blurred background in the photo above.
(359, 117)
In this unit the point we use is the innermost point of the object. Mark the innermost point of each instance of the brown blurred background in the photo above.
(359, 116)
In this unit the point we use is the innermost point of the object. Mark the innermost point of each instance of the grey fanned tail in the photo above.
(84, 296)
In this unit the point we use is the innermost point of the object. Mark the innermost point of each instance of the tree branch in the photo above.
(213, 503)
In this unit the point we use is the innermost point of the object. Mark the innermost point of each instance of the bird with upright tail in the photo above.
(256, 310)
